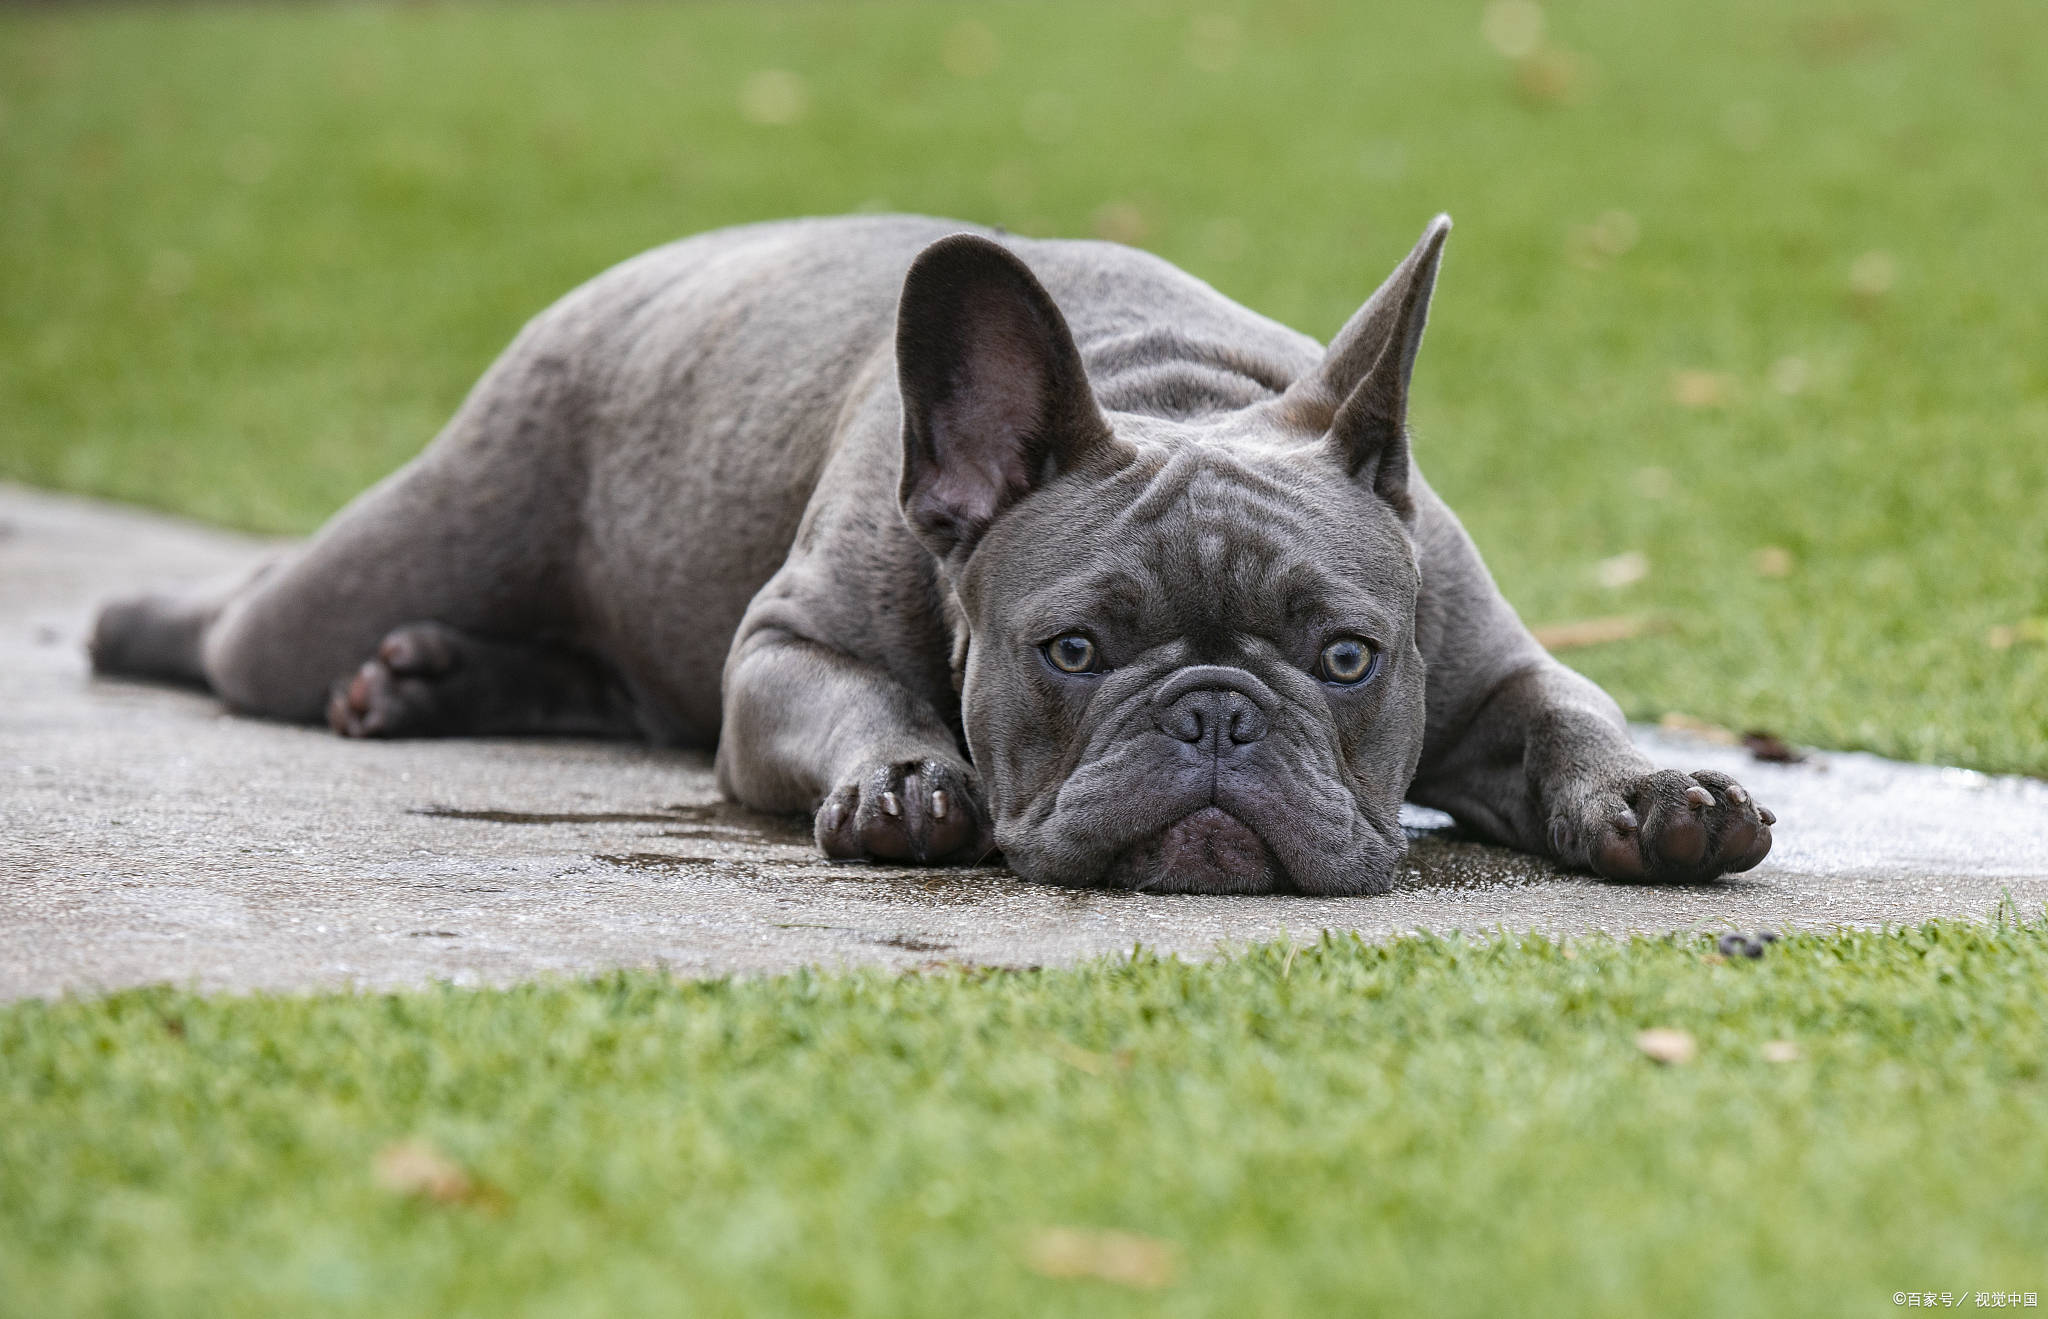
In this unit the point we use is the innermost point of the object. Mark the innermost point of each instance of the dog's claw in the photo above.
(1625, 820)
(1736, 793)
(905, 812)
(1698, 798)
(1767, 815)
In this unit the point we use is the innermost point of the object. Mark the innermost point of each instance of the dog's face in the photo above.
(1190, 660)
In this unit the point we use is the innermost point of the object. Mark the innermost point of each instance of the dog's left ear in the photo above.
(1359, 394)
(995, 399)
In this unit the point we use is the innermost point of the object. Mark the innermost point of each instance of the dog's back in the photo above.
(637, 463)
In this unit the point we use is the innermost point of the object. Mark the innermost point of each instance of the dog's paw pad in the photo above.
(909, 811)
(393, 693)
(1669, 827)
(422, 650)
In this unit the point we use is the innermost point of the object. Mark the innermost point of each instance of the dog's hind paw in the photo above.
(920, 812)
(1668, 827)
(393, 694)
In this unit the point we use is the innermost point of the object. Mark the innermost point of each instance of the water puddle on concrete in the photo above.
(944, 885)
(658, 862)
(546, 817)
(909, 942)
(1446, 859)
(963, 887)
(724, 819)
(719, 820)
(760, 846)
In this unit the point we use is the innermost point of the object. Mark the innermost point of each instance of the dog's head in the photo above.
(1189, 654)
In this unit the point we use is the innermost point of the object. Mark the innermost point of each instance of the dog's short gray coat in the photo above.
(963, 541)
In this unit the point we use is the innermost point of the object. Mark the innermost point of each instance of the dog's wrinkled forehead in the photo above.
(1203, 541)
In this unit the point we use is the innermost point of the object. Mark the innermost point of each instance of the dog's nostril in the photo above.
(1205, 717)
(1183, 720)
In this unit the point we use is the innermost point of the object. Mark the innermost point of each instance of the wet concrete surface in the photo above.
(145, 836)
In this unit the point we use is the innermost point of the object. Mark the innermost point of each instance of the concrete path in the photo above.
(145, 836)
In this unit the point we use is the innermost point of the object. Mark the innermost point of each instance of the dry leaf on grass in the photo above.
(2029, 631)
(1125, 1258)
(1675, 722)
(1622, 570)
(1772, 561)
(1666, 1045)
(1872, 275)
(1554, 75)
(1514, 28)
(1590, 632)
(970, 50)
(1087, 1060)
(1122, 222)
(415, 1168)
(1700, 389)
(774, 98)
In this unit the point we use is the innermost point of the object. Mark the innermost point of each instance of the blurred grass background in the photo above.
(1741, 335)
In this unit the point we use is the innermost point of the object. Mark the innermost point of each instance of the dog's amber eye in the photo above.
(1348, 661)
(1071, 653)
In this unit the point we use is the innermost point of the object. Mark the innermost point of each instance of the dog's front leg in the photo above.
(1543, 762)
(809, 727)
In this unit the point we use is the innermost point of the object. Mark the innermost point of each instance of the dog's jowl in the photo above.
(964, 543)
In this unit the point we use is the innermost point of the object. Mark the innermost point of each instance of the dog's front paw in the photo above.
(1668, 827)
(918, 811)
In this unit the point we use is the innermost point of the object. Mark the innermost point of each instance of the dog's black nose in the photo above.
(1213, 718)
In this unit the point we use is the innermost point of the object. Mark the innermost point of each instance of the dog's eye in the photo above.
(1348, 661)
(1071, 652)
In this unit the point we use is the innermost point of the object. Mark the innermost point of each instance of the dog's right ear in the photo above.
(995, 400)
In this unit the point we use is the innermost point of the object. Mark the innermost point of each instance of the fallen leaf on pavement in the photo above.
(1770, 747)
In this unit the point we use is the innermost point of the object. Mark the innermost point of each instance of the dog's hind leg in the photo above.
(479, 534)
(160, 636)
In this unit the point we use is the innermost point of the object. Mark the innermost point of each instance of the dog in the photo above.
(963, 543)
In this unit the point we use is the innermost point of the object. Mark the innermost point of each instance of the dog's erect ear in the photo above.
(995, 400)
(1359, 394)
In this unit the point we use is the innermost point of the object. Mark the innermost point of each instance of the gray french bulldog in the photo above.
(963, 542)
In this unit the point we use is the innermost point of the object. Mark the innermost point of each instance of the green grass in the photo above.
(251, 258)
(1431, 1126)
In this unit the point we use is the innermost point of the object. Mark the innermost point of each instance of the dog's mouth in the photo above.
(1208, 851)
